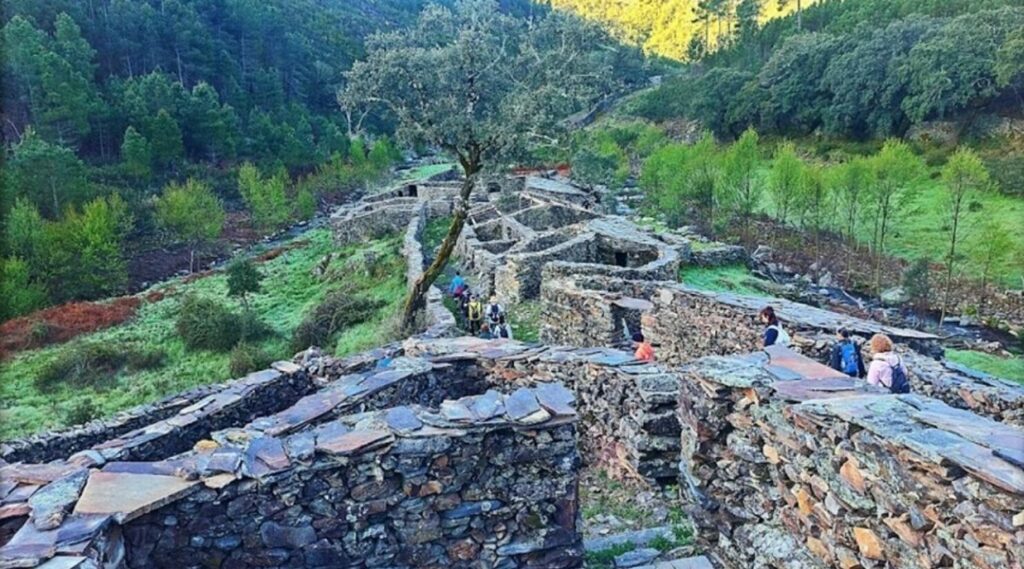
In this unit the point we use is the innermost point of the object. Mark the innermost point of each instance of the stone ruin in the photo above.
(466, 453)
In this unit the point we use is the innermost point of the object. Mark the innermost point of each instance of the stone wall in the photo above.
(399, 488)
(685, 324)
(788, 465)
(627, 408)
(393, 467)
(440, 321)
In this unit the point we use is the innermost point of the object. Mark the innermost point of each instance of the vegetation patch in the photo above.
(729, 278)
(1011, 368)
(339, 310)
(90, 365)
(62, 323)
(290, 289)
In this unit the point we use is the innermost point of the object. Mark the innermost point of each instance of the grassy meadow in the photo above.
(289, 290)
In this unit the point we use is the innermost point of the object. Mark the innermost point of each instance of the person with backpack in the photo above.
(475, 314)
(846, 356)
(887, 369)
(773, 332)
(485, 332)
(503, 330)
(457, 286)
(495, 312)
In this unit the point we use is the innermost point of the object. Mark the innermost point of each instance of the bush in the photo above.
(91, 365)
(83, 411)
(247, 358)
(205, 324)
(339, 310)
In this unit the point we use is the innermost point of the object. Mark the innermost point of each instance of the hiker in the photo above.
(887, 369)
(485, 332)
(846, 355)
(503, 330)
(773, 332)
(495, 312)
(457, 285)
(644, 351)
(475, 314)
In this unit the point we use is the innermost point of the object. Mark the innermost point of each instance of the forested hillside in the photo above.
(681, 29)
(857, 69)
(126, 124)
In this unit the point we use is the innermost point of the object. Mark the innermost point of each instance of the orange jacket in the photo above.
(644, 352)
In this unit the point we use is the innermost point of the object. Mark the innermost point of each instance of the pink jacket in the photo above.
(880, 371)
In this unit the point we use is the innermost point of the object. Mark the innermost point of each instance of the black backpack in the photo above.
(495, 312)
(900, 383)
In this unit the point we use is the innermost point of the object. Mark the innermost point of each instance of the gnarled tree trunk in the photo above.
(415, 300)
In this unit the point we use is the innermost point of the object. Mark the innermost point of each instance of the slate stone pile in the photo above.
(627, 407)
(787, 464)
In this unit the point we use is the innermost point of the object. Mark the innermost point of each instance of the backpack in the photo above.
(503, 331)
(848, 357)
(495, 311)
(900, 383)
(783, 338)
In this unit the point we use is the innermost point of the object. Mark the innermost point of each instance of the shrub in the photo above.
(340, 309)
(83, 411)
(246, 358)
(91, 365)
(205, 324)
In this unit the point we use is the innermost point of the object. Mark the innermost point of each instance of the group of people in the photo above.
(487, 321)
(886, 369)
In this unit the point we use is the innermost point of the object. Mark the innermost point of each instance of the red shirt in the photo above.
(644, 352)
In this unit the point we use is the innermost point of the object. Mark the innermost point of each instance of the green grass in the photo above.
(729, 278)
(289, 291)
(1007, 368)
(525, 320)
(425, 172)
(606, 557)
(433, 234)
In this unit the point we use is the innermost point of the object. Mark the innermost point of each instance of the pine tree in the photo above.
(165, 138)
(136, 155)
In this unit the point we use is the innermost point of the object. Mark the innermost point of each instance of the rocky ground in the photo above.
(627, 523)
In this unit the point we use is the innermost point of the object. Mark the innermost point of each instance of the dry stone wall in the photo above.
(788, 465)
(462, 452)
(626, 407)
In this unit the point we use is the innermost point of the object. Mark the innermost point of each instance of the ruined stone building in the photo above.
(466, 453)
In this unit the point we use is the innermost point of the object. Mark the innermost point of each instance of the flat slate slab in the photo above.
(352, 442)
(127, 496)
(810, 389)
(802, 366)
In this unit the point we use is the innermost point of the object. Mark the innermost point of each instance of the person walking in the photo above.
(773, 332)
(475, 314)
(846, 356)
(495, 312)
(504, 330)
(887, 369)
(644, 351)
(457, 286)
